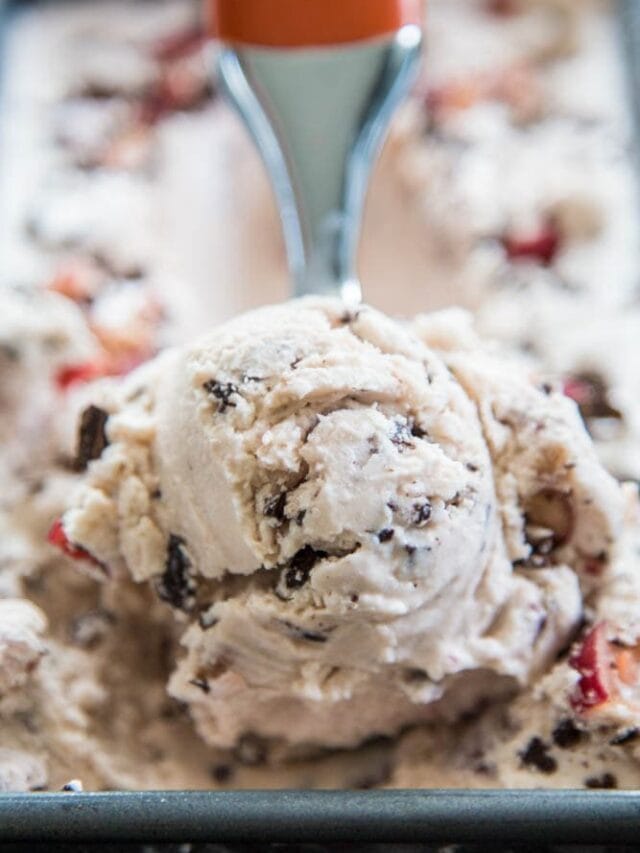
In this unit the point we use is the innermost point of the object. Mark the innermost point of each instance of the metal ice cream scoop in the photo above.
(316, 82)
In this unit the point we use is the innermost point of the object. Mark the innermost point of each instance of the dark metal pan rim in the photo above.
(565, 816)
(438, 816)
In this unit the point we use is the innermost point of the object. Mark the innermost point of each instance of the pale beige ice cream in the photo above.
(358, 531)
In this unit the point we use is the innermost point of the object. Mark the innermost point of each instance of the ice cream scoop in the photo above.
(316, 84)
(358, 530)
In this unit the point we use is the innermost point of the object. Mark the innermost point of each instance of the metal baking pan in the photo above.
(455, 821)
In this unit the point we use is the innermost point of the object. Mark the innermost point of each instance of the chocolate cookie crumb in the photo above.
(627, 736)
(401, 435)
(175, 586)
(471, 467)
(221, 773)
(421, 513)
(417, 431)
(386, 534)
(299, 569)
(222, 391)
(566, 734)
(605, 782)
(536, 754)
(92, 436)
(275, 507)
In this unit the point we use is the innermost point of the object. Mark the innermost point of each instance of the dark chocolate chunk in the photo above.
(471, 467)
(201, 683)
(606, 781)
(536, 754)
(222, 391)
(275, 506)
(627, 736)
(566, 734)
(92, 436)
(297, 573)
(386, 534)
(421, 513)
(176, 585)
(251, 750)
(300, 516)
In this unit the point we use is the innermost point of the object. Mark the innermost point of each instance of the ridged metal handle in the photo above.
(318, 117)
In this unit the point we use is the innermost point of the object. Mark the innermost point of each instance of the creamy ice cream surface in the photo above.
(359, 531)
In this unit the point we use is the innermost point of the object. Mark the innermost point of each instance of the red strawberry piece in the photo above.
(58, 538)
(595, 661)
(88, 371)
(72, 374)
(541, 246)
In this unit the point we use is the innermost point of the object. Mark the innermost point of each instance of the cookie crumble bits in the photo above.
(566, 734)
(222, 392)
(299, 569)
(176, 586)
(627, 736)
(607, 781)
(536, 754)
(275, 506)
(421, 513)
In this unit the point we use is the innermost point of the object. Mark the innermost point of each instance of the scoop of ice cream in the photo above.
(359, 530)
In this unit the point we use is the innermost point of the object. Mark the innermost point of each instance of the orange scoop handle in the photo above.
(308, 23)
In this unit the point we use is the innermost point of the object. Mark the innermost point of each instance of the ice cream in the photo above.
(125, 184)
(358, 530)
(40, 333)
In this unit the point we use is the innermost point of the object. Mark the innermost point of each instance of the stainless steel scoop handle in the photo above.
(318, 117)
